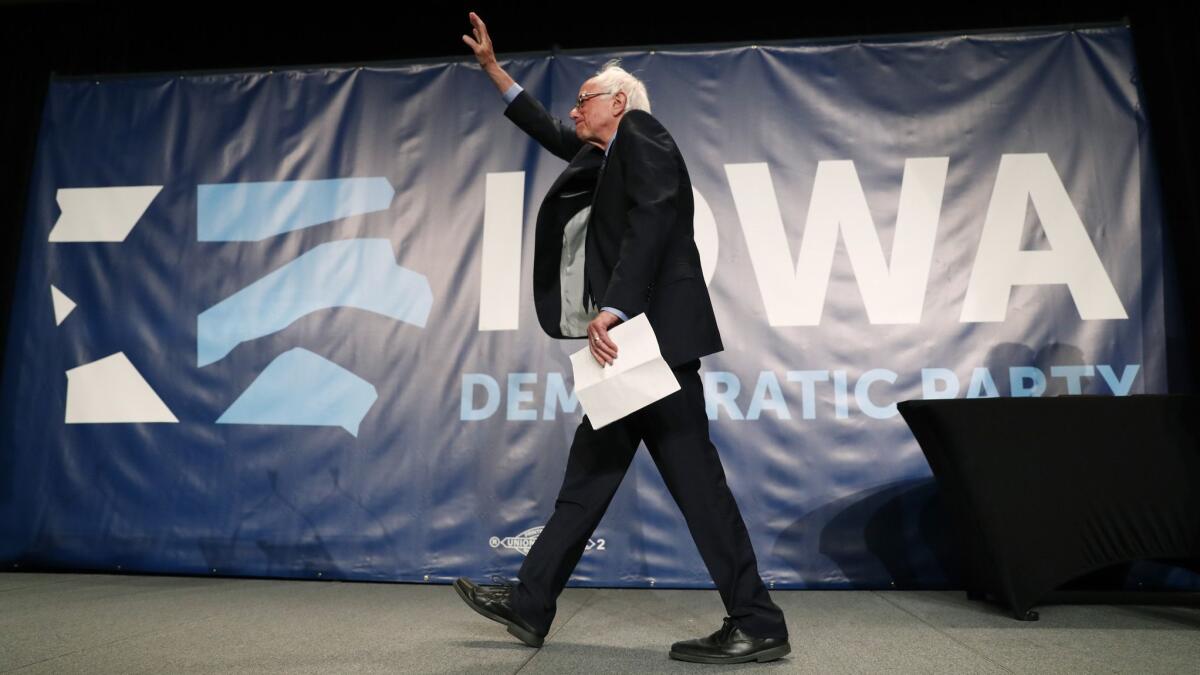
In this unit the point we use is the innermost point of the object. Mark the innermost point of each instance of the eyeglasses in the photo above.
(582, 98)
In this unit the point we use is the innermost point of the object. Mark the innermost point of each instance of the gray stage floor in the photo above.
(97, 623)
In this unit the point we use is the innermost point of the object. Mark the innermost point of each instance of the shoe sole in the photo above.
(528, 637)
(763, 656)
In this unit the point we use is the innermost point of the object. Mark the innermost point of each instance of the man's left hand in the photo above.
(604, 350)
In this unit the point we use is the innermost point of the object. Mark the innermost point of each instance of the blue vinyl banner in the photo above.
(281, 323)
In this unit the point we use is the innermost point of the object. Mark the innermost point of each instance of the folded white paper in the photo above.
(637, 377)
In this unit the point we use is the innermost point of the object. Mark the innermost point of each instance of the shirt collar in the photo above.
(610, 142)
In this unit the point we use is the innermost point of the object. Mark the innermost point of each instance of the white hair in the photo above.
(612, 78)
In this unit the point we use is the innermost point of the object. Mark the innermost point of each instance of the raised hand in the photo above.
(482, 43)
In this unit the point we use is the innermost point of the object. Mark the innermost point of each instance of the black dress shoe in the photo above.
(495, 603)
(730, 645)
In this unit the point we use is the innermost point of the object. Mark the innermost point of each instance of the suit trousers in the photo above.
(675, 430)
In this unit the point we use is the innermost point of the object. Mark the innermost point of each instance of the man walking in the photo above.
(614, 239)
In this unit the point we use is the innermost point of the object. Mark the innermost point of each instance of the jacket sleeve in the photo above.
(648, 160)
(554, 135)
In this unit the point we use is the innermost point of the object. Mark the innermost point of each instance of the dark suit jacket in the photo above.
(641, 253)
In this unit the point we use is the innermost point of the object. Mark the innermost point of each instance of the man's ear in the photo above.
(619, 97)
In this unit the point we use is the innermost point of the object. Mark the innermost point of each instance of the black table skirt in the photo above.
(1044, 490)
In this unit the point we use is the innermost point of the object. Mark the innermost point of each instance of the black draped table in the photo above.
(1044, 490)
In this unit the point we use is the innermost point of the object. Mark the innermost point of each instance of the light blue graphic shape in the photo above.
(255, 211)
(359, 273)
(300, 388)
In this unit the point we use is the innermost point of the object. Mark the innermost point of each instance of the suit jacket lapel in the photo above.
(577, 165)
